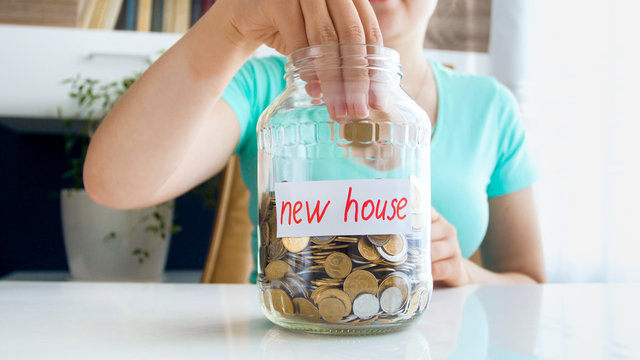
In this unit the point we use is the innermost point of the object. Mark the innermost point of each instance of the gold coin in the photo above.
(379, 240)
(338, 265)
(414, 301)
(265, 204)
(275, 249)
(424, 300)
(278, 300)
(276, 270)
(306, 310)
(395, 245)
(316, 295)
(347, 239)
(359, 282)
(264, 234)
(363, 267)
(338, 294)
(331, 310)
(368, 251)
(295, 244)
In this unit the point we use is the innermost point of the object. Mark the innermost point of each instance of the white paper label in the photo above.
(343, 207)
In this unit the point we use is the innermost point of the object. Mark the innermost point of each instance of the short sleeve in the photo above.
(514, 168)
(252, 89)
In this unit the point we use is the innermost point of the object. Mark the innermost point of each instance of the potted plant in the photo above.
(103, 243)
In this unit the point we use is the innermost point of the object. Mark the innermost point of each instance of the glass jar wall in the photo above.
(344, 182)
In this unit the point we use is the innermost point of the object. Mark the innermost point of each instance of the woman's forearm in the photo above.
(480, 275)
(147, 136)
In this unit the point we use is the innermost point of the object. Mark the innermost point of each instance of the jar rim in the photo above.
(393, 54)
(379, 57)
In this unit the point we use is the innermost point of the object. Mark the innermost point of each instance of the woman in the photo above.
(151, 146)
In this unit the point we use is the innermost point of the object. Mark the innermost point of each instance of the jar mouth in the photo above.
(371, 50)
(343, 56)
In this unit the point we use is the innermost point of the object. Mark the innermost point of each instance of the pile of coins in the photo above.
(341, 279)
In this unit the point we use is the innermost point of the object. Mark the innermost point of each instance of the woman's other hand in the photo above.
(448, 266)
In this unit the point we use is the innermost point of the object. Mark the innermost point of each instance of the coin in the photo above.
(338, 294)
(395, 245)
(347, 239)
(379, 240)
(391, 300)
(365, 306)
(264, 233)
(295, 244)
(276, 270)
(360, 281)
(338, 265)
(367, 250)
(297, 285)
(275, 249)
(424, 300)
(399, 251)
(306, 310)
(331, 310)
(278, 300)
(322, 240)
(414, 300)
(317, 293)
(399, 280)
(363, 267)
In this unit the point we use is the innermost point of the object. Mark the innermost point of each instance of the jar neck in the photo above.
(343, 63)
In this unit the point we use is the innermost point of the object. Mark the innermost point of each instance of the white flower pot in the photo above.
(104, 244)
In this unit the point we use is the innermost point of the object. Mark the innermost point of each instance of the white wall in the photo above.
(575, 67)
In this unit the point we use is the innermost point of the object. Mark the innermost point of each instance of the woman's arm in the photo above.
(170, 132)
(511, 250)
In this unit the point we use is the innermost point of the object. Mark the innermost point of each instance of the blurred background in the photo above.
(573, 66)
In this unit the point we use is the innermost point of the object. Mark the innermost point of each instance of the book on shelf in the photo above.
(156, 15)
(99, 14)
(143, 22)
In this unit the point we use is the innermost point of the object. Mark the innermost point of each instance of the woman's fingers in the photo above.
(343, 75)
(378, 92)
(354, 61)
(441, 250)
(289, 23)
(320, 30)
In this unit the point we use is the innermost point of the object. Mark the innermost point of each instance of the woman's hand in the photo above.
(448, 266)
(288, 25)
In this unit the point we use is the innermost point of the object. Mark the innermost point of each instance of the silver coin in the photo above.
(322, 240)
(366, 306)
(391, 300)
(296, 286)
(379, 240)
(394, 258)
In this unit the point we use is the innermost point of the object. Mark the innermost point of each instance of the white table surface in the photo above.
(75, 320)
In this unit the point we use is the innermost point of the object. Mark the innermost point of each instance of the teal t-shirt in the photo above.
(478, 148)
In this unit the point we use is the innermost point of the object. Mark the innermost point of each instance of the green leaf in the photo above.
(137, 251)
(175, 229)
(153, 228)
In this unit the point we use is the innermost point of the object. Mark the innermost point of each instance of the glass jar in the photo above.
(344, 205)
